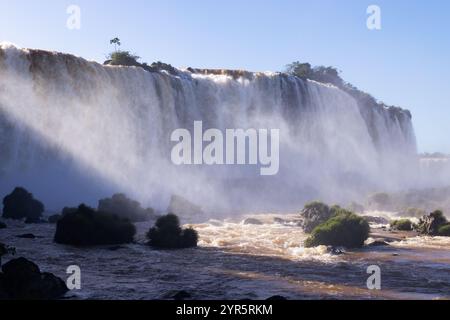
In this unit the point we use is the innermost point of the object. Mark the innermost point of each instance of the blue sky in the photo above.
(406, 63)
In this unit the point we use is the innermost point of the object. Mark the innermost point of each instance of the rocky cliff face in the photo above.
(73, 130)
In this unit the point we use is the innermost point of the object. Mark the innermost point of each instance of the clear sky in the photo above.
(406, 63)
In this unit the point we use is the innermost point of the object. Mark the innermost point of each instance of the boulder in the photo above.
(22, 280)
(181, 295)
(20, 204)
(378, 243)
(26, 236)
(314, 214)
(376, 220)
(86, 227)
(253, 221)
(167, 234)
(124, 207)
(276, 298)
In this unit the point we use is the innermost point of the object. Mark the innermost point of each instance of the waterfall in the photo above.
(72, 131)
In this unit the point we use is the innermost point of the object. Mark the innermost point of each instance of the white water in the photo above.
(73, 131)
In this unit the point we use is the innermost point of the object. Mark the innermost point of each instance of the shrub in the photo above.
(402, 225)
(20, 204)
(168, 234)
(85, 227)
(123, 58)
(124, 207)
(444, 231)
(430, 224)
(343, 229)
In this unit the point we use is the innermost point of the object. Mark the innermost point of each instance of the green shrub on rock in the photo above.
(167, 234)
(402, 225)
(343, 229)
(86, 227)
(20, 204)
(429, 225)
(444, 231)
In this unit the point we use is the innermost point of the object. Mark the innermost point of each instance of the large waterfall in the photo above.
(72, 131)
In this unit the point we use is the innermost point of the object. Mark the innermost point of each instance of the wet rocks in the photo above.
(181, 295)
(276, 298)
(22, 279)
(378, 243)
(20, 204)
(314, 214)
(253, 221)
(376, 220)
(26, 236)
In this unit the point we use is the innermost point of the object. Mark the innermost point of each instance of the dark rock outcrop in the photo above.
(378, 243)
(2, 225)
(276, 298)
(26, 236)
(377, 220)
(167, 234)
(20, 204)
(181, 295)
(124, 207)
(253, 221)
(22, 280)
(86, 227)
(314, 214)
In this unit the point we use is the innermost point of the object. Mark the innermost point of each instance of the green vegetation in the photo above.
(86, 227)
(343, 229)
(402, 225)
(431, 225)
(444, 230)
(167, 234)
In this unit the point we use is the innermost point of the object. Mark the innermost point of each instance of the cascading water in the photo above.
(72, 131)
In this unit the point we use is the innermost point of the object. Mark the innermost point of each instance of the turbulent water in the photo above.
(239, 261)
(73, 131)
